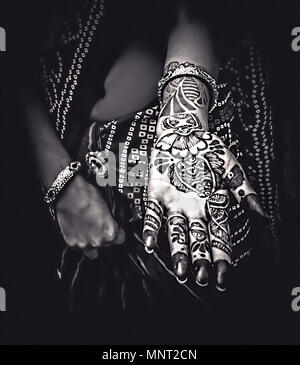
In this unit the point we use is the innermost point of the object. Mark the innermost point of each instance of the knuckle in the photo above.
(111, 232)
(70, 241)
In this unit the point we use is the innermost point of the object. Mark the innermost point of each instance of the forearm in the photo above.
(191, 41)
(188, 97)
(49, 153)
(186, 101)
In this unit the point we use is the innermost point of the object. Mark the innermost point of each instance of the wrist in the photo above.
(195, 77)
(185, 101)
(59, 185)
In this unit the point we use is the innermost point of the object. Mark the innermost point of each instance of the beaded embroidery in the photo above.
(242, 119)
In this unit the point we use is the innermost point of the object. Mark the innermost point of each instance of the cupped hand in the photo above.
(85, 219)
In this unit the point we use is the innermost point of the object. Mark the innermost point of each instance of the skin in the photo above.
(193, 232)
(82, 213)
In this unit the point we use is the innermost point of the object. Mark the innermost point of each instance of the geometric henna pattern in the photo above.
(219, 231)
(199, 241)
(153, 217)
(178, 234)
(184, 95)
(201, 172)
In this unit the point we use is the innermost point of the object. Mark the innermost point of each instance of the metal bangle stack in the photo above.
(188, 69)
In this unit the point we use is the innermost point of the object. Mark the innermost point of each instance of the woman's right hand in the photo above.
(85, 219)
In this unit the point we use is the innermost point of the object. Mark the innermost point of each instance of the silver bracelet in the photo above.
(60, 182)
(188, 69)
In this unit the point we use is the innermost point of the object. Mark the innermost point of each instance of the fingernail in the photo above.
(202, 282)
(181, 281)
(150, 243)
(121, 237)
(92, 254)
(220, 288)
(222, 268)
(149, 250)
(180, 269)
(202, 273)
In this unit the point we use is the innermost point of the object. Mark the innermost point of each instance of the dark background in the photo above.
(28, 256)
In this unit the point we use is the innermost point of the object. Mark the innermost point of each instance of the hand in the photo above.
(85, 220)
(191, 171)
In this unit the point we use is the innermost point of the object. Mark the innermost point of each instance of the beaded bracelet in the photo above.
(59, 183)
(188, 69)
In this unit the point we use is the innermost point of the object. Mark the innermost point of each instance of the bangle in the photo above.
(60, 182)
(188, 69)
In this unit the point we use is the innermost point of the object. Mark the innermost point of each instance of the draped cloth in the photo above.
(127, 280)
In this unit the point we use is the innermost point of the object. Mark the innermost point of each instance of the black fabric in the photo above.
(115, 290)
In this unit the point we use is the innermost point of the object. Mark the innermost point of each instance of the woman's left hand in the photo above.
(191, 173)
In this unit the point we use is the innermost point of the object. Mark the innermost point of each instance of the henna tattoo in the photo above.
(157, 209)
(153, 217)
(162, 162)
(235, 178)
(178, 231)
(171, 66)
(183, 100)
(217, 147)
(199, 241)
(221, 246)
(185, 95)
(193, 174)
(181, 123)
(152, 221)
(219, 225)
(200, 170)
(182, 144)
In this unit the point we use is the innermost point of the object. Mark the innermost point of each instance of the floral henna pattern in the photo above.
(199, 172)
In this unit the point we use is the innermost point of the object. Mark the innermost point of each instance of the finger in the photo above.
(113, 236)
(109, 234)
(219, 236)
(91, 253)
(120, 239)
(178, 240)
(152, 224)
(253, 203)
(235, 178)
(200, 250)
(223, 269)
